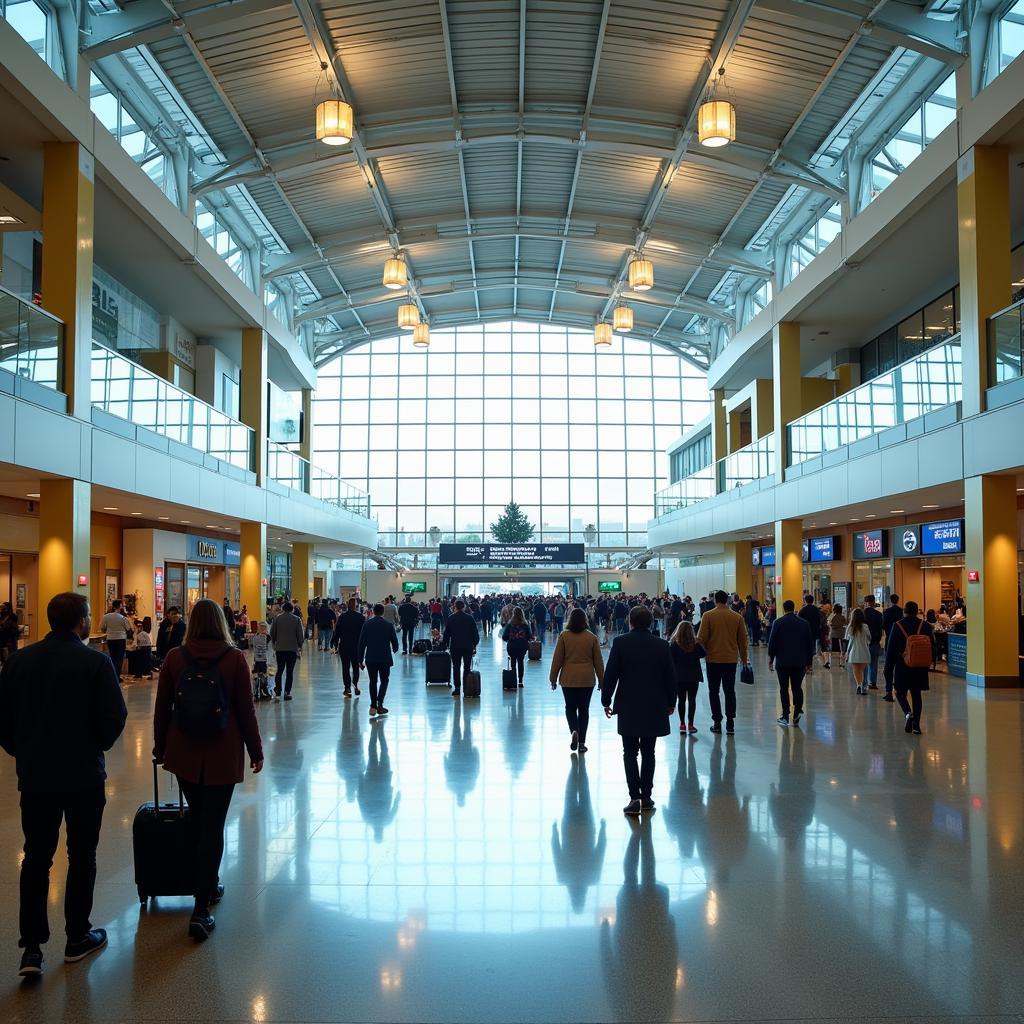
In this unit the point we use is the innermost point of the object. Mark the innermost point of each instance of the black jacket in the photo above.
(687, 665)
(408, 614)
(229, 615)
(811, 614)
(346, 633)
(376, 642)
(169, 635)
(640, 684)
(790, 643)
(905, 678)
(540, 613)
(876, 624)
(890, 617)
(325, 617)
(60, 709)
(461, 633)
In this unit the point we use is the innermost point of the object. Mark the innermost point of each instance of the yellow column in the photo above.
(786, 387)
(739, 570)
(990, 508)
(763, 411)
(847, 378)
(67, 262)
(789, 562)
(160, 363)
(64, 535)
(983, 215)
(302, 573)
(253, 395)
(253, 568)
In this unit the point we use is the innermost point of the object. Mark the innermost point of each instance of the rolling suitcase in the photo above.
(471, 684)
(420, 646)
(534, 650)
(509, 680)
(164, 847)
(439, 668)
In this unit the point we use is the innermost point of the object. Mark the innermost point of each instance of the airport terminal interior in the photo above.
(587, 308)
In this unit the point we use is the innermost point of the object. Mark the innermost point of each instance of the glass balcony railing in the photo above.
(696, 487)
(929, 381)
(31, 342)
(755, 462)
(1006, 344)
(291, 470)
(131, 392)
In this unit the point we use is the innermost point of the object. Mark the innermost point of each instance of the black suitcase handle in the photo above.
(156, 790)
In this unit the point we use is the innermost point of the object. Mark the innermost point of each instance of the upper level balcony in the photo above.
(136, 403)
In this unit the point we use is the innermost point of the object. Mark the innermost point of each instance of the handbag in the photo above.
(747, 675)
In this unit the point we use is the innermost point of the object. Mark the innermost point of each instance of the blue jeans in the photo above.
(875, 650)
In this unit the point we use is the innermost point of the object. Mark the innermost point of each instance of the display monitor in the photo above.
(609, 586)
(414, 587)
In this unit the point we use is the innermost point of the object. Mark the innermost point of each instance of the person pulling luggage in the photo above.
(461, 639)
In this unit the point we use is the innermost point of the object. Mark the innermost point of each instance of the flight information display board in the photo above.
(514, 554)
(414, 587)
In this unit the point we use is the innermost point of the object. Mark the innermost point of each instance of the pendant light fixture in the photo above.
(716, 117)
(622, 318)
(395, 273)
(602, 334)
(334, 118)
(641, 273)
(408, 316)
(421, 335)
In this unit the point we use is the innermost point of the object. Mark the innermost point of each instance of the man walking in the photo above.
(287, 635)
(461, 638)
(347, 631)
(376, 643)
(876, 627)
(791, 650)
(890, 617)
(60, 709)
(639, 688)
(811, 614)
(409, 617)
(114, 626)
(723, 635)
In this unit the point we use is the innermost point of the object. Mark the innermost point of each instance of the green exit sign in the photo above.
(609, 586)
(414, 587)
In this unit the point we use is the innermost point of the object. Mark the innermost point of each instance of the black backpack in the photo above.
(200, 704)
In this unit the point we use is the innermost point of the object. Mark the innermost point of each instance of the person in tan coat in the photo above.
(577, 664)
(723, 635)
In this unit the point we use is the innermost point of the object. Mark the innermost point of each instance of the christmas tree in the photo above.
(512, 526)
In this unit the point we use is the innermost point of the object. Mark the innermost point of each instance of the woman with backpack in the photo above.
(908, 654)
(517, 636)
(577, 664)
(203, 724)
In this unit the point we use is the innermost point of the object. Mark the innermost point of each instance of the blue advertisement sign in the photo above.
(823, 549)
(944, 538)
(212, 551)
(768, 555)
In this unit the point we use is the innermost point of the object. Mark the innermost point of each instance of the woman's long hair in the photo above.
(518, 619)
(206, 622)
(684, 636)
(577, 621)
(857, 622)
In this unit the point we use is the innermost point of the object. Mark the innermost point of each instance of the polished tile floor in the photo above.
(456, 863)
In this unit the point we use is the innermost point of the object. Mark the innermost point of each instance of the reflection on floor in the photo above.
(455, 863)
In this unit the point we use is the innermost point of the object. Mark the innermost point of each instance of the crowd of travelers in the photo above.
(61, 702)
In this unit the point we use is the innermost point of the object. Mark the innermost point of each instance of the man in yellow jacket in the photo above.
(723, 635)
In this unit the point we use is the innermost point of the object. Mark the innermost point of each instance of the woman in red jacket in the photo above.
(203, 724)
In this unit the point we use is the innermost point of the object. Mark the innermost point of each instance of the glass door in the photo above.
(175, 582)
(193, 586)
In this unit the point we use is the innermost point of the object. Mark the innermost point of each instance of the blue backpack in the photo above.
(200, 703)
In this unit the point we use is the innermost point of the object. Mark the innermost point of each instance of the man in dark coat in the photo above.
(461, 638)
(791, 650)
(639, 687)
(377, 641)
(60, 709)
(346, 641)
(890, 617)
(171, 633)
(907, 680)
(409, 617)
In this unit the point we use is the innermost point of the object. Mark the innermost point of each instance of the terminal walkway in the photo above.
(455, 863)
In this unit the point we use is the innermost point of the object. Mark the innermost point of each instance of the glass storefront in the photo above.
(818, 581)
(872, 577)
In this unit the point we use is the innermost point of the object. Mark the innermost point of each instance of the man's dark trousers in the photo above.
(41, 816)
